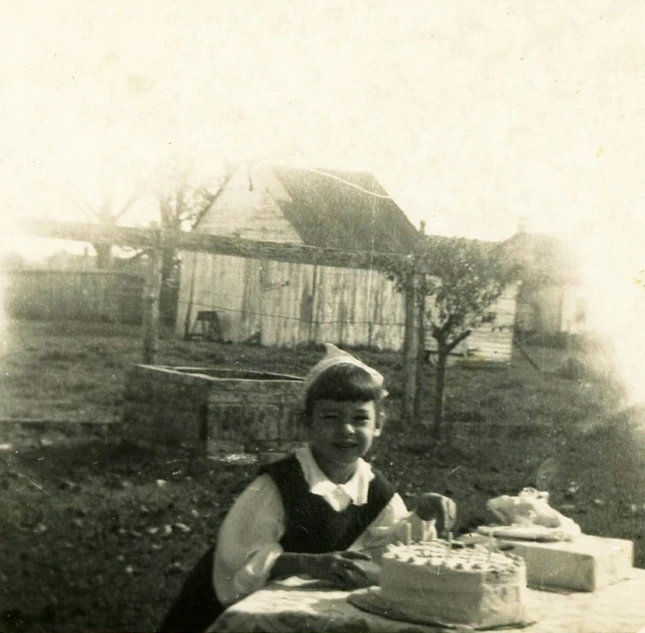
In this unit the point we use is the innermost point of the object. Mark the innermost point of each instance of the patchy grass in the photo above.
(91, 541)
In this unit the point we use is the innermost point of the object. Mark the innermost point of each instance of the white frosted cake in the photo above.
(471, 585)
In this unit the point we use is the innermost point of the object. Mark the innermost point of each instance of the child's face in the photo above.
(341, 432)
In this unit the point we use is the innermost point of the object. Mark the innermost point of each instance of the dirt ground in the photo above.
(97, 535)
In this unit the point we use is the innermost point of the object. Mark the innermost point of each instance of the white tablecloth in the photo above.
(300, 606)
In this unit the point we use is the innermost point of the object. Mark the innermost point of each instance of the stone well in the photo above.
(211, 409)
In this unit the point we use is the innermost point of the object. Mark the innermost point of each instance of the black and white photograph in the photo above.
(322, 316)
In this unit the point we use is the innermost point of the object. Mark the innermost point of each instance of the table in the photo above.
(299, 606)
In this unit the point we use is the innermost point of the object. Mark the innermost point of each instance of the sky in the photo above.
(471, 113)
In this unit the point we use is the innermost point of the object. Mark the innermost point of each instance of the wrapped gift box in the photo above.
(587, 563)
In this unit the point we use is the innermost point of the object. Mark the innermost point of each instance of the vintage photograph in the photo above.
(322, 316)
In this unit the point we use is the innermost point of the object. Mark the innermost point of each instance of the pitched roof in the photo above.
(336, 209)
(542, 257)
(485, 245)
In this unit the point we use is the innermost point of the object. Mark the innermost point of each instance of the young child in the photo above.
(316, 512)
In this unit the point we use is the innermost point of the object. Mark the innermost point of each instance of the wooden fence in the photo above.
(89, 295)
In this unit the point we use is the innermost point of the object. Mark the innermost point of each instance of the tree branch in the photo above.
(458, 339)
(136, 195)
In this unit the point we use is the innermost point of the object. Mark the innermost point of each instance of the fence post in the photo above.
(419, 360)
(151, 295)
(409, 351)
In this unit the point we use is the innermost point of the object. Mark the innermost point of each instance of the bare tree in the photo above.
(108, 213)
(181, 207)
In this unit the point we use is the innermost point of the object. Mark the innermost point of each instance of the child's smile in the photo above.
(340, 433)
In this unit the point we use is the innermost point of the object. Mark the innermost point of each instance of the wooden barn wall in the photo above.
(357, 307)
(290, 304)
(494, 341)
(215, 282)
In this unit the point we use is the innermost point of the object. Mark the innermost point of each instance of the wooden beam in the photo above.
(93, 233)
(205, 243)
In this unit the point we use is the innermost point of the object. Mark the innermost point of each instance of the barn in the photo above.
(278, 303)
(286, 304)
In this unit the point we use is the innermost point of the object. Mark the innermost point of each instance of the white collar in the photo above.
(338, 496)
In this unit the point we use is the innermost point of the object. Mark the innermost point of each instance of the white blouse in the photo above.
(249, 538)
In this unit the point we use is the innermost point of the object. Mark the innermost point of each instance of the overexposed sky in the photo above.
(470, 112)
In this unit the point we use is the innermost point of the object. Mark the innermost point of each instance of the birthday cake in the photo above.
(437, 582)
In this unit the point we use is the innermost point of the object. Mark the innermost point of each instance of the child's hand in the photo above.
(347, 570)
(443, 510)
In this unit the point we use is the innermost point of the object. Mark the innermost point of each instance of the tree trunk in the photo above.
(420, 359)
(103, 256)
(168, 264)
(409, 353)
(167, 302)
(440, 381)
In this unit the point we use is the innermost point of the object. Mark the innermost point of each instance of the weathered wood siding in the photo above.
(491, 341)
(494, 341)
(224, 284)
(289, 304)
(246, 208)
(357, 307)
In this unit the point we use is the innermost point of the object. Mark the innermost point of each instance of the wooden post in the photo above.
(440, 381)
(409, 351)
(313, 322)
(152, 292)
(191, 293)
(420, 358)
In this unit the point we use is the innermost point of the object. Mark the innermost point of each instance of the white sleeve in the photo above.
(248, 542)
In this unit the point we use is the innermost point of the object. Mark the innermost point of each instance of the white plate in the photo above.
(523, 532)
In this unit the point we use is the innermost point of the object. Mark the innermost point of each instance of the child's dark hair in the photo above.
(344, 382)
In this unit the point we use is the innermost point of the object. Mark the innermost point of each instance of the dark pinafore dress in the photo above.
(311, 527)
